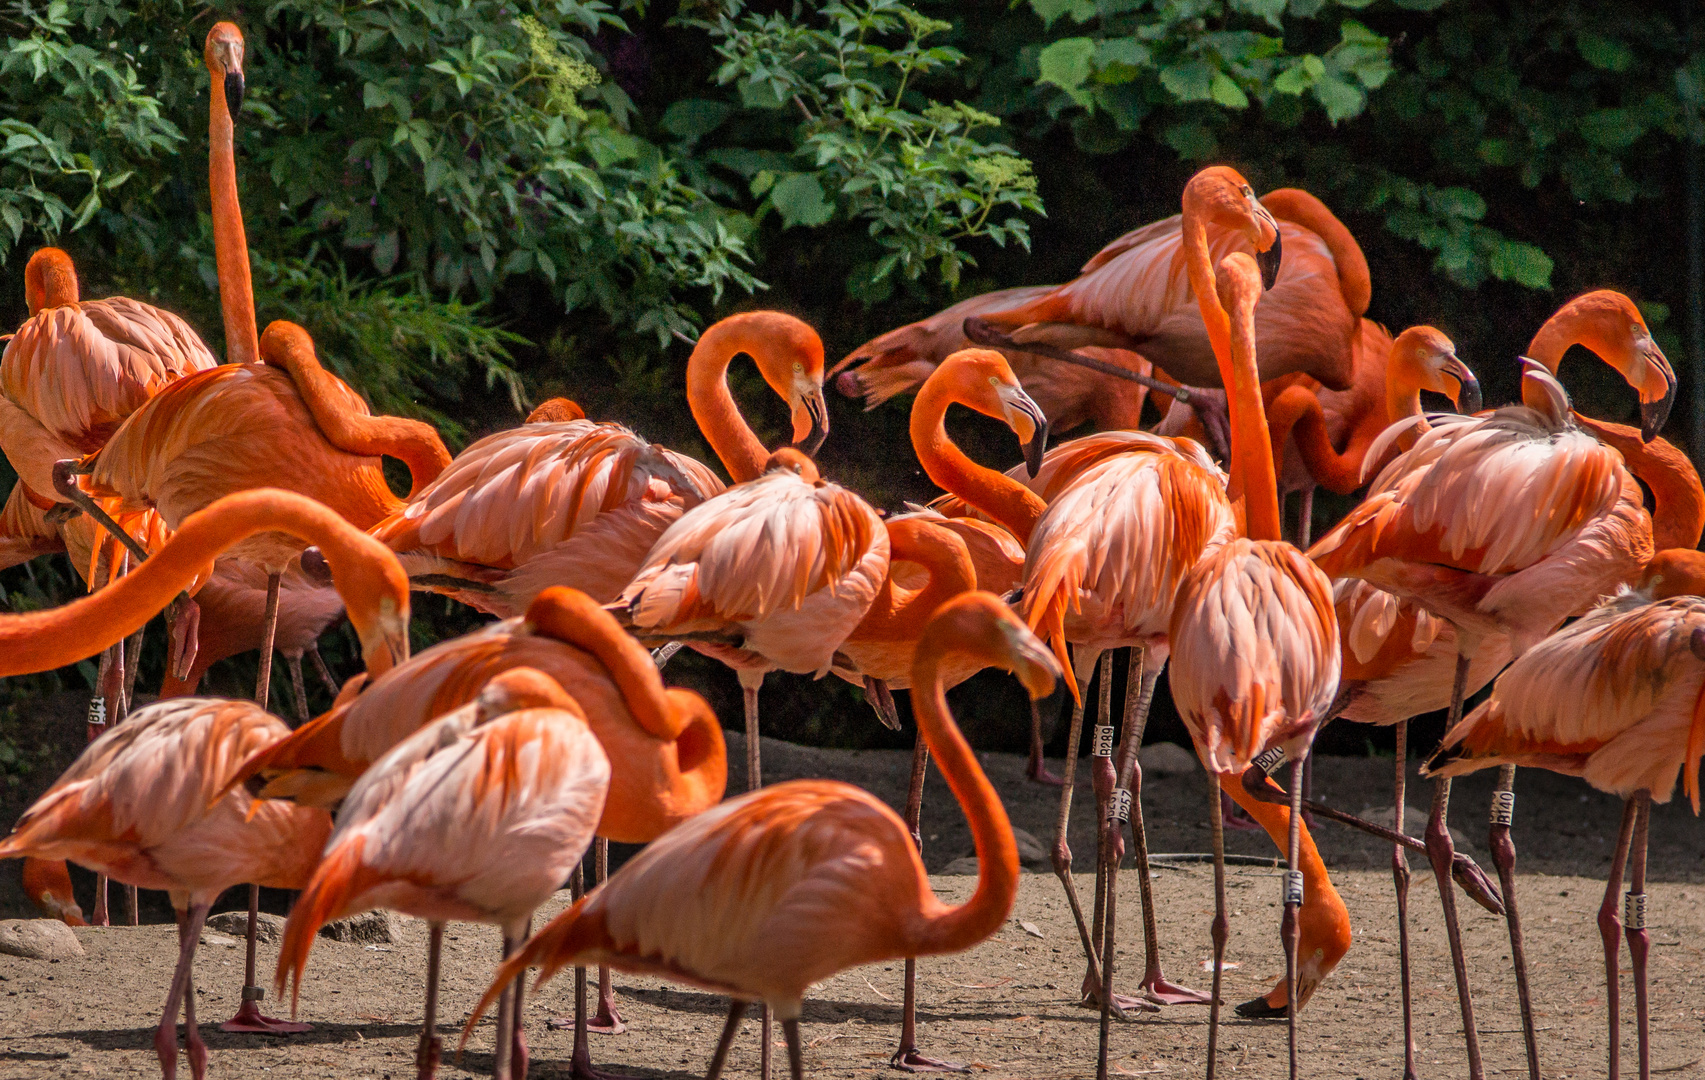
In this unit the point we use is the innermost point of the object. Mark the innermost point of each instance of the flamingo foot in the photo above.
(1162, 991)
(1262, 1009)
(605, 1022)
(910, 1060)
(1122, 1004)
(249, 1019)
(1037, 771)
(580, 1066)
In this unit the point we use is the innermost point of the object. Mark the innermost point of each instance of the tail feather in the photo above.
(53, 816)
(1050, 589)
(340, 877)
(1695, 750)
(553, 948)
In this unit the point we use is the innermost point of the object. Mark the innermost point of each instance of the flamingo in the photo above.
(1614, 698)
(1509, 522)
(479, 815)
(141, 804)
(1103, 565)
(565, 501)
(1254, 639)
(1131, 295)
(782, 887)
(665, 745)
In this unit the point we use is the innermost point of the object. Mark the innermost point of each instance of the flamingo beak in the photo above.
(1468, 388)
(817, 410)
(1654, 414)
(234, 91)
(1268, 260)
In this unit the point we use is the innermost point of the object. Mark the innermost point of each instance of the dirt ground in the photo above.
(1007, 1007)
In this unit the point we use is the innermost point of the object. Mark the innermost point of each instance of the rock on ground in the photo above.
(368, 928)
(268, 928)
(39, 939)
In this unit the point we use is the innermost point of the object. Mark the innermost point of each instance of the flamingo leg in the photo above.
(518, 1039)
(1062, 854)
(1101, 781)
(1610, 929)
(504, 1048)
(426, 1056)
(1221, 926)
(1400, 878)
(1037, 769)
(580, 1060)
(1504, 857)
(907, 1057)
(166, 1036)
(1441, 852)
(1155, 985)
(109, 678)
(1634, 925)
(1290, 929)
(269, 632)
(750, 681)
(606, 1021)
(249, 1016)
(795, 1059)
(736, 1013)
(298, 688)
(325, 673)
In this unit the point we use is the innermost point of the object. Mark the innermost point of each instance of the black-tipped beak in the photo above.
(1654, 414)
(234, 91)
(818, 409)
(1468, 398)
(1035, 448)
(1268, 260)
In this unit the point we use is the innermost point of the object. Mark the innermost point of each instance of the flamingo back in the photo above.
(1399, 658)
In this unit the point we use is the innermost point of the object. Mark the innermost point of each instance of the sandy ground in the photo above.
(1008, 1006)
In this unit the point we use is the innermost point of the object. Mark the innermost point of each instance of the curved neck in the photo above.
(1554, 339)
(230, 243)
(991, 832)
(1300, 208)
(1678, 500)
(1000, 496)
(1199, 266)
(1296, 414)
(43, 640)
(896, 615)
(1253, 479)
(50, 281)
(344, 420)
(718, 417)
(573, 618)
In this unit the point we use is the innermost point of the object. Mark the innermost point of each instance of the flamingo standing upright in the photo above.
(479, 815)
(1253, 635)
(1616, 698)
(565, 501)
(142, 805)
(782, 887)
(665, 745)
(1510, 522)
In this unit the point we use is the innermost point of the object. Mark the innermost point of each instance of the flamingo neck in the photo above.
(1678, 499)
(573, 618)
(901, 614)
(44, 640)
(230, 242)
(714, 409)
(1253, 478)
(1560, 332)
(1000, 496)
(960, 927)
(50, 281)
(1301, 208)
(1199, 267)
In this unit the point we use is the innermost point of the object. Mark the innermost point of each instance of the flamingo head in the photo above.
(1426, 359)
(50, 280)
(787, 459)
(981, 379)
(224, 56)
(1220, 195)
(979, 624)
(1609, 324)
(1676, 572)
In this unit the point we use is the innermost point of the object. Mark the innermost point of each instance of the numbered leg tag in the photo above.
(1269, 760)
(97, 712)
(1503, 808)
(253, 993)
(1119, 806)
(1103, 746)
(1634, 911)
(1293, 887)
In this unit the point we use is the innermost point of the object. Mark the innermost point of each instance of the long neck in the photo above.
(991, 832)
(1678, 500)
(1252, 475)
(343, 419)
(574, 619)
(1000, 496)
(1301, 208)
(1296, 413)
(718, 417)
(44, 640)
(897, 614)
(1199, 266)
(1553, 340)
(230, 243)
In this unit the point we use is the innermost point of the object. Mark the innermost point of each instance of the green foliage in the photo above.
(844, 134)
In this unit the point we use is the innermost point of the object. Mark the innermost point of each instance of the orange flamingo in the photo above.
(570, 502)
(1102, 568)
(1616, 699)
(1509, 522)
(142, 805)
(781, 888)
(1253, 635)
(479, 815)
(665, 745)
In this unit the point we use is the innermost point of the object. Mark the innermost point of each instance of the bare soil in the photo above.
(1008, 1007)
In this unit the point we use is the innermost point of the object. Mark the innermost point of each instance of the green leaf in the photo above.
(693, 118)
(1228, 93)
(385, 252)
(800, 200)
(1613, 129)
(1268, 10)
(1296, 78)
(1120, 60)
(1457, 202)
(1080, 10)
(1340, 99)
(1192, 141)
(1521, 263)
(1606, 54)
(1192, 81)
(1066, 64)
